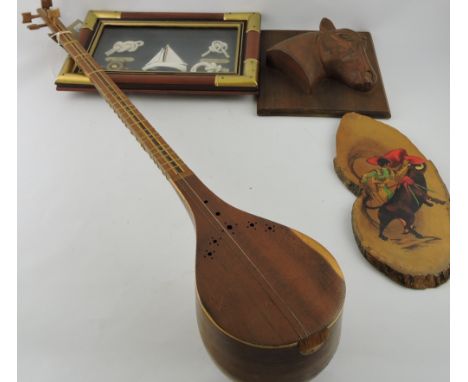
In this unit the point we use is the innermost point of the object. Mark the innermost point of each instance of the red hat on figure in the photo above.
(396, 157)
(414, 159)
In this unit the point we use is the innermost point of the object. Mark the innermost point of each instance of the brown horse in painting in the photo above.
(334, 53)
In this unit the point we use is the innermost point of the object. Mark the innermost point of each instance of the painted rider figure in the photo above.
(381, 183)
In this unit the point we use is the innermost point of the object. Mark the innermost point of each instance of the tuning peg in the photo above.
(54, 13)
(27, 17)
(36, 26)
(46, 4)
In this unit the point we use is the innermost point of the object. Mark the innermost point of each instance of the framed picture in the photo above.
(170, 52)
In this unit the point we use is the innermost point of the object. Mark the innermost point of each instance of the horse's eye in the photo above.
(346, 37)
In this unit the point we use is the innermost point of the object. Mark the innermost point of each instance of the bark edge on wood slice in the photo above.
(401, 217)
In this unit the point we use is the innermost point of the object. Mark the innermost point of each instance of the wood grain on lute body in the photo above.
(269, 299)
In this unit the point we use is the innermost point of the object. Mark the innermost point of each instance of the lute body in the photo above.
(269, 299)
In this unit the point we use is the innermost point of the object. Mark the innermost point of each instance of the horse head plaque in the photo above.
(328, 72)
(334, 53)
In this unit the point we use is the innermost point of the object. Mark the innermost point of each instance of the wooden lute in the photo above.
(269, 299)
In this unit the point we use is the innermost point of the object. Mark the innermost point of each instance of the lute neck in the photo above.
(162, 154)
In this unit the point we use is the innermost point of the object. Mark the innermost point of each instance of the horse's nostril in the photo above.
(369, 76)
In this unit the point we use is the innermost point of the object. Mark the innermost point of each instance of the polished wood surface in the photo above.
(320, 95)
(260, 281)
(269, 298)
(252, 45)
(244, 362)
(406, 239)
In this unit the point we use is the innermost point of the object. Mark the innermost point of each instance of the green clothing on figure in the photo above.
(380, 184)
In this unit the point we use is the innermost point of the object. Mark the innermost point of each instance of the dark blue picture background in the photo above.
(188, 43)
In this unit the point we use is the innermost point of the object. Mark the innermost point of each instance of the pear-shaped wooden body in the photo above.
(408, 236)
(269, 298)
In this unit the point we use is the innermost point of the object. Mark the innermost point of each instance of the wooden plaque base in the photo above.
(401, 217)
(279, 96)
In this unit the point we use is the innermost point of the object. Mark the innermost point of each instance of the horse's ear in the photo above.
(326, 25)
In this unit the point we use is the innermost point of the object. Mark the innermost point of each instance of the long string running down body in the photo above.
(166, 159)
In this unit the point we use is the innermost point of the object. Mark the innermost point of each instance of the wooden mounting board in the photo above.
(279, 96)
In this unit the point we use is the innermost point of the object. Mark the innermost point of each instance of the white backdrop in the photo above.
(106, 249)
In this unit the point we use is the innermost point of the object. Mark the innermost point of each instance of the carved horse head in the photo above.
(343, 55)
(307, 58)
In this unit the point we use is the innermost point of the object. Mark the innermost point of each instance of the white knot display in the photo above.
(209, 67)
(125, 46)
(217, 46)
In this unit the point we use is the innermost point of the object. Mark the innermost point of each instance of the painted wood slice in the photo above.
(401, 216)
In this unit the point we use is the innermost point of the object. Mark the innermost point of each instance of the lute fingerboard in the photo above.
(162, 154)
